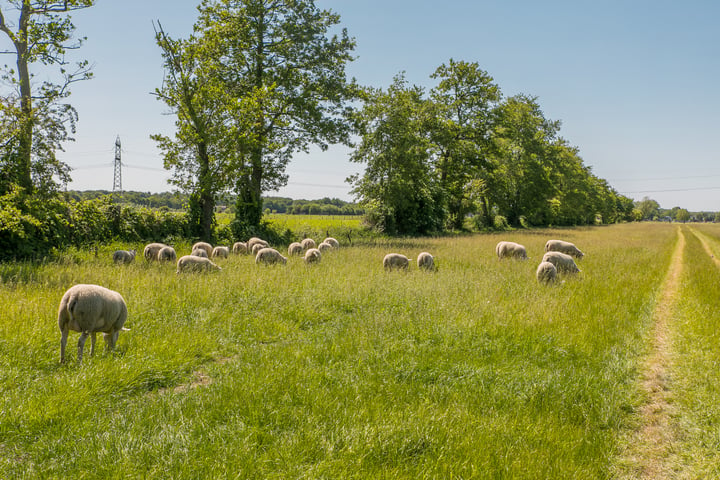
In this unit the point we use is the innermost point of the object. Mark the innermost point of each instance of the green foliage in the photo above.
(34, 120)
(35, 228)
(397, 190)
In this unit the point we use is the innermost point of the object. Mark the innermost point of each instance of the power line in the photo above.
(674, 190)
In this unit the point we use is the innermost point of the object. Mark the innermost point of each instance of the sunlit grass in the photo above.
(339, 370)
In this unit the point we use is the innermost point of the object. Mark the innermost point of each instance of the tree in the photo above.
(203, 146)
(284, 74)
(520, 181)
(464, 100)
(38, 119)
(398, 189)
(648, 208)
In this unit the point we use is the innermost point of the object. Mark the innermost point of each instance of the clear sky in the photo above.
(634, 82)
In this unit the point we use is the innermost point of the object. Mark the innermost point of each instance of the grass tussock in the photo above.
(340, 370)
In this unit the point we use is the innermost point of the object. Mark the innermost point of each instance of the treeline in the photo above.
(324, 206)
(434, 158)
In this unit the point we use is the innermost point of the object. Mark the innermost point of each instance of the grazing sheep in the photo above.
(324, 247)
(334, 243)
(269, 256)
(546, 273)
(308, 243)
(239, 248)
(563, 247)
(256, 241)
(257, 247)
(199, 252)
(510, 250)
(204, 245)
(295, 249)
(395, 261)
(89, 309)
(221, 252)
(425, 261)
(313, 255)
(124, 256)
(167, 254)
(151, 251)
(193, 263)
(563, 262)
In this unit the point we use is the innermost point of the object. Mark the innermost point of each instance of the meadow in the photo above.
(343, 370)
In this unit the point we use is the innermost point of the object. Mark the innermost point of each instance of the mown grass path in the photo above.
(651, 450)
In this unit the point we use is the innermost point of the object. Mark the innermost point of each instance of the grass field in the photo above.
(343, 370)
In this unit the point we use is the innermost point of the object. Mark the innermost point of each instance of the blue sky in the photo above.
(634, 82)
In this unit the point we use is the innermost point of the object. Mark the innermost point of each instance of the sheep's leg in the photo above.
(63, 344)
(81, 344)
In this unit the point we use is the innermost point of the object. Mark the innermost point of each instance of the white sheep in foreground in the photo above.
(221, 252)
(269, 256)
(204, 245)
(151, 251)
(308, 243)
(563, 263)
(510, 250)
(425, 261)
(334, 243)
(313, 255)
(563, 247)
(256, 241)
(167, 254)
(193, 263)
(546, 273)
(199, 252)
(295, 249)
(394, 261)
(89, 309)
(324, 247)
(239, 248)
(124, 256)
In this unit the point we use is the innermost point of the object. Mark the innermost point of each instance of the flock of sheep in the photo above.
(91, 309)
(559, 257)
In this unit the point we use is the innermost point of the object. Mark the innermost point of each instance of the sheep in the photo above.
(167, 254)
(308, 243)
(563, 247)
(89, 309)
(324, 246)
(334, 243)
(269, 256)
(426, 261)
(239, 248)
(546, 273)
(563, 262)
(255, 241)
(151, 251)
(511, 250)
(194, 263)
(395, 261)
(204, 245)
(313, 255)
(257, 247)
(221, 252)
(199, 252)
(124, 256)
(295, 249)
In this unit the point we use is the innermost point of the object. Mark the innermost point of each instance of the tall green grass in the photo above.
(696, 341)
(340, 370)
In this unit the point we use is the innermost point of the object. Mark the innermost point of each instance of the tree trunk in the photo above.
(24, 176)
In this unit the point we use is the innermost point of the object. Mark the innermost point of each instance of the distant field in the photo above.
(343, 370)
